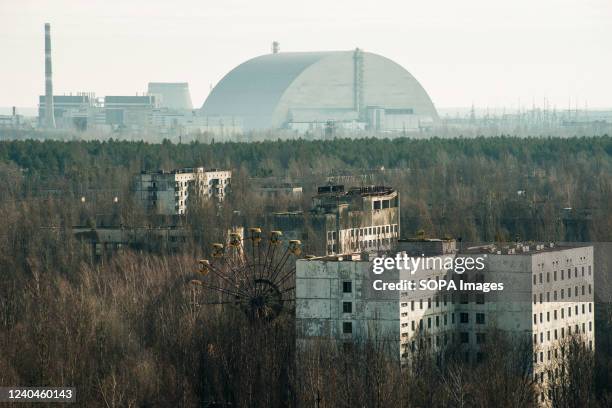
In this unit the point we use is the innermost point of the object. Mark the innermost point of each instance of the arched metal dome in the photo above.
(272, 90)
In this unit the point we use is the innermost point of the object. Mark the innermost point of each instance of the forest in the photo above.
(119, 331)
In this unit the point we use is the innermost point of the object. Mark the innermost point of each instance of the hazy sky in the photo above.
(487, 52)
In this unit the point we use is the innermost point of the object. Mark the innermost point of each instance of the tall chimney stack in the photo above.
(49, 110)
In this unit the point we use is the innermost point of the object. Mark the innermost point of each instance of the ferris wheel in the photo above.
(255, 274)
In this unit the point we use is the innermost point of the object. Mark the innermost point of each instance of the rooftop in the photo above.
(183, 170)
(364, 191)
(519, 248)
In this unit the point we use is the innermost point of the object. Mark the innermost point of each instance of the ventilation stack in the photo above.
(49, 110)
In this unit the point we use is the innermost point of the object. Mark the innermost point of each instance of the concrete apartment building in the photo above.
(548, 296)
(335, 299)
(360, 219)
(167, 192)
(107, 241)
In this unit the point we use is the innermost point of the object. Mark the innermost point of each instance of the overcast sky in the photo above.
(487, 52)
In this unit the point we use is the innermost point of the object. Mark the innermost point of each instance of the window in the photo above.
(347, 287)
(464, 317)
(480, 338)
(464, 337)
(347, 327)
(480, 318)
(347, 307)
(480, 298)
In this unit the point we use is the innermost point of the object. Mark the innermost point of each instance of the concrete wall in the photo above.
(320, 298)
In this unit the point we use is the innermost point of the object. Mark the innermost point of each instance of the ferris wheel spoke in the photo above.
(286, 276)
(232, 282)
(251, 277)
(281, 264)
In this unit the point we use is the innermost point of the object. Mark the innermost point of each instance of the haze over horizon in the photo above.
(474, 52)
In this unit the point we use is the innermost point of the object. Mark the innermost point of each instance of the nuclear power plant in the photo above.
(307, 90)
(302, 92)
(299, 94)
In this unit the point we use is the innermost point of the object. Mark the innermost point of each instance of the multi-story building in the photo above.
(547, 297)
(360, 219)
(167, 192)
(335, 299)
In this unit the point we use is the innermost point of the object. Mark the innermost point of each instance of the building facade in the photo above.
(548, 297)
(360, 219)
(167, 192)
(335, 300)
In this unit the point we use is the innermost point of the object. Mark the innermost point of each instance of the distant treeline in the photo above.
(264, 158)
(493, 188)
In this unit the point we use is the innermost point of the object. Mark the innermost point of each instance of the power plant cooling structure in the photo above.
(49, 110)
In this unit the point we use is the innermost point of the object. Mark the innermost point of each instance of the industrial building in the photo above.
(167, 192)
(131, 111)
(171, 95)
(306, 91)
(548, 296)
(359, 219)
(164, 110)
